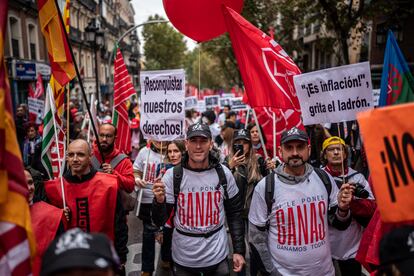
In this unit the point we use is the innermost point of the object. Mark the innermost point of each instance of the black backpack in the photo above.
(270, 188)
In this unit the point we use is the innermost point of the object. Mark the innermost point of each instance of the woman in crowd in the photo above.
(257, 146)
(175, 151)
(248, 169)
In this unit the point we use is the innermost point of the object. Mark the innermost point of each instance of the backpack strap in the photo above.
(222, 180)
(326, 181)
(269, 194)
(115, 161)
(96, 164)
(177, 178)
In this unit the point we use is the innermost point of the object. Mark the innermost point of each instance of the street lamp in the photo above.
(96, 38)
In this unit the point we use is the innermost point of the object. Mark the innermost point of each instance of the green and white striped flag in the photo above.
(51, 124)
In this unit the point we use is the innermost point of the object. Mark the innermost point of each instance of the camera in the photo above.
(360, 191)
(238, 148)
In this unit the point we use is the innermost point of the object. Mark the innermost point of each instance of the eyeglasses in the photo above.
(106, 136)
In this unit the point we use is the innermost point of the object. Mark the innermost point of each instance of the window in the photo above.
(89, 66)
(32, 40)
(15, 37)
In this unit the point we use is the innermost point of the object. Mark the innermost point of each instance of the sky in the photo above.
(145, 8)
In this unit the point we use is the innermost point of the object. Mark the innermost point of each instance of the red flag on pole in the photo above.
(123, 89)
(266, 69)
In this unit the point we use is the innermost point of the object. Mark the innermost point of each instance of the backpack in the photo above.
(270, 189)
(178, 177)
(128, 201)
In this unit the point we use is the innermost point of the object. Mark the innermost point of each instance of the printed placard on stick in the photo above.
(162, 104)
(334, 95)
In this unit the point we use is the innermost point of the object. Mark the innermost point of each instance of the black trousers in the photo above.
(221, 269)
(350, 267)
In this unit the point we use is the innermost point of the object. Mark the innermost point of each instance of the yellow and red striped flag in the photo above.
(17, 245)
(63, 69)
(66, 16)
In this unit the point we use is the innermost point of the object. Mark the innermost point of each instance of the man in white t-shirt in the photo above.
(204, 194)
(153, 153)
(345, 244)
(292, 239)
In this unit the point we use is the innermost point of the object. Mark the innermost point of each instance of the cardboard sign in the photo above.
(211, 101)
(36, 107)
(238, 104)
(335, 94)
(225, 99)
(388, 135)
(162, 104)
(191, 103)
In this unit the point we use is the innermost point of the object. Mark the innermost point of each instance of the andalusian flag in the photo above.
(397, 83)
(123, 89)
(51, 124)
(17, 245)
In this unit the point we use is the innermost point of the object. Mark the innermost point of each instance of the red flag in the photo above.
(266, 69)
(31, 91)
(123, 89)
(17, 244)
(39, 87)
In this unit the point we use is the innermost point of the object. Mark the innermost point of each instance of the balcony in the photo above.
(75, 35)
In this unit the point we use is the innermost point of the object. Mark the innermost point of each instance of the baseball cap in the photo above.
(334, 140)
(397, 247)
(294, 134)
(77, 249)
(241, 134)
(199, 130)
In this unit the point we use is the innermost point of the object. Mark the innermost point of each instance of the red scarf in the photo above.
(334, 173)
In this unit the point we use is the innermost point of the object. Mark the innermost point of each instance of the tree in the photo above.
(164, 47)
(209, 68)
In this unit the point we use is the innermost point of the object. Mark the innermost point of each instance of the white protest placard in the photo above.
(162, 104)
(211, 101)
(238, 104)
(375, 96)
(226, 100)
(201, 106)
(36, 107)
(191, 102)
(334, 95)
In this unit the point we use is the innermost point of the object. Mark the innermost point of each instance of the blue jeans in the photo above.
(148, 247)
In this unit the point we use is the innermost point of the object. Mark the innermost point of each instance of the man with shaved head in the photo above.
(92, 197)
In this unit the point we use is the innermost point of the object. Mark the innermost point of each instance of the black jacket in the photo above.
(233, 208)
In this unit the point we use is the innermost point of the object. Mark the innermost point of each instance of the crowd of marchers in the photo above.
(302, 212)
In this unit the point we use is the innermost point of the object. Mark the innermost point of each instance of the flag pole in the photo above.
(260, 134)
(52, 106)
(144, 175)
(247, 118)
(67, 116)
(342, 157)
(274, 133)
(80, 82)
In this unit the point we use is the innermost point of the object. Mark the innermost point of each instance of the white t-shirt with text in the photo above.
(298, 238)
(200, 207)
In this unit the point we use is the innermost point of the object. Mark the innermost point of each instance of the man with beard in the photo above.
(292, 207)
(115, 162)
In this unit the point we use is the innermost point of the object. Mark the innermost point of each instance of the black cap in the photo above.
(77, 249)
(294, 134)
(199, 130)
(397, 247)
(241, 134)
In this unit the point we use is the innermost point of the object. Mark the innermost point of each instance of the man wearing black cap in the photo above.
(203, 194)
(292, 207)
(78, 253)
